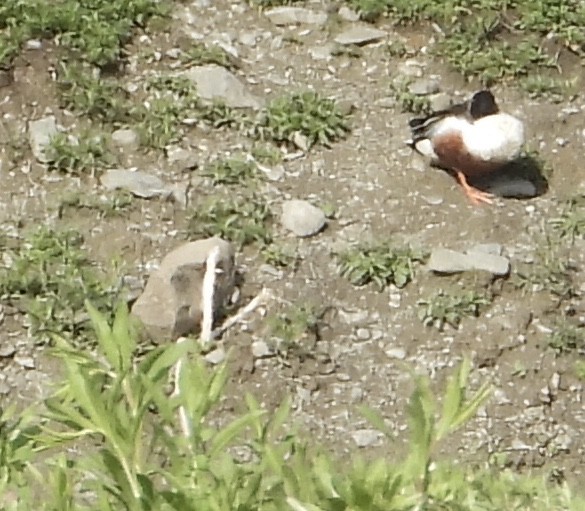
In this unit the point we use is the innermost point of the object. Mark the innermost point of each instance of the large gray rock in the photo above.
(138, 183)
(171, 304)
(217, 83)
(302, 218)
(444, 260)
(292, 15)
(40, 134)
(360, 35)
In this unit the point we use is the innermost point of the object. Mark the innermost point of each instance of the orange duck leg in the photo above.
(476, 196)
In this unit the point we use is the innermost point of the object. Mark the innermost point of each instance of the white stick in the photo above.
(207, 296)
(184, 421)
(242, 313)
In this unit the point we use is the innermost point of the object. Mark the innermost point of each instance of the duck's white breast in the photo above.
(497, 137)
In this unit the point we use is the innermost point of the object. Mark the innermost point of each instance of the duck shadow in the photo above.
(523, 178)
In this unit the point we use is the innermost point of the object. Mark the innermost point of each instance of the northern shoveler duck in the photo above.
(470, 139)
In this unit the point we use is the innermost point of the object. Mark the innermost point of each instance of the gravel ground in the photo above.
(380, 191)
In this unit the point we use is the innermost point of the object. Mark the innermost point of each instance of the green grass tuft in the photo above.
(243, 220)
(444, 309)
(381, 264)
(86, 154)
(314, 117)
(94, 30)
(49, 277)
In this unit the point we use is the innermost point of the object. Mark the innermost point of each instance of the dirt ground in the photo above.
(380, 191)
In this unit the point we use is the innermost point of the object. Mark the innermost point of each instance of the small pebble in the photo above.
(397, 353)
(363, 334)
(26, 362)
(217, 356)
(366, 437)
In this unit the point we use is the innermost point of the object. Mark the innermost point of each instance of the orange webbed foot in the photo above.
(476, 196)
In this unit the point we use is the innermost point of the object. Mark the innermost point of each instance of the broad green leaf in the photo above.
(452, 400)
(104, 335)
(254, 406)
(89, 399)
(470, 408)
(235, 428)
(280, 415)
(160, 361)
(376, 420)
(123, 336)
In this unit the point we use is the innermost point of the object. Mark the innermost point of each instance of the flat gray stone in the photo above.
(424, 87)
(171, 304)
(347, 14)
(323, 52)
(444, 260)
(360, 35)
(397, 353)
(138, 183)
(7, 350)
(302, 218)
(260, 349)
(40, 134)
(411, 69)
(25, 362)
(217, 83)
(440, 101)
(292, 15)
(487, 248)
(366, 437)
(215, 357)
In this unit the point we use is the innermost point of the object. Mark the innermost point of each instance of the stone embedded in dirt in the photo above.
(439, 101)
(324, 52)
(301, 141)
(512, 187)
(7, 350)
(215, 357)
(411, 69)
(487, 248)
(171, 304)
(25, 361)
(424, 87)
(293, 15)
(40, 134)
(444, 260)
(363, 334)
(217, 83)
(360, 35)
(33, 44)
(347, 14)
(249, 38)
(185, 159)
(275, 173)
(353, 317)
(366, 437)
(397, 353)
(126, 139)
(136, 182)
(260, 349)
(302, 218)
(386, 102)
